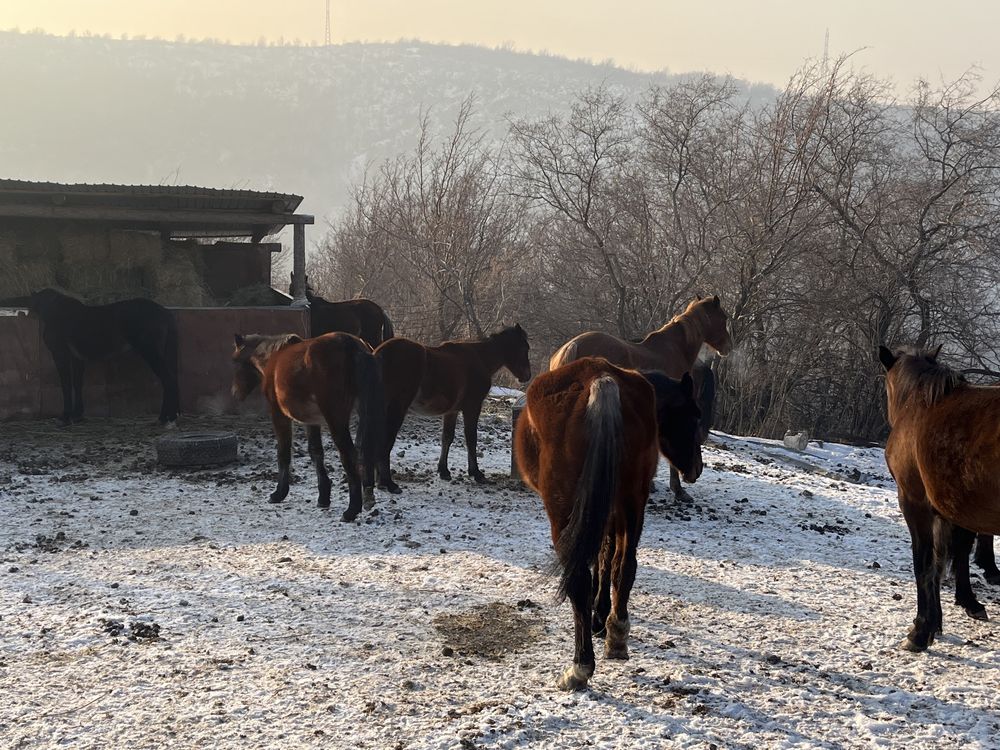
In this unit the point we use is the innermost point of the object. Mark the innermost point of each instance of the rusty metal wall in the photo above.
(123, 385)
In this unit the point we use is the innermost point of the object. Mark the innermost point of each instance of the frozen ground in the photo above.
(143, 608)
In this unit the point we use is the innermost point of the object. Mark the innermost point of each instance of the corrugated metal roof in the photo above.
(184, 197)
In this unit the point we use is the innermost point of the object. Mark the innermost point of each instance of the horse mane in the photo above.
(691, 322)
(918, 371)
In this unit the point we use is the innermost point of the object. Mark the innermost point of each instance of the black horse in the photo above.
(358, 317)
(76, 333)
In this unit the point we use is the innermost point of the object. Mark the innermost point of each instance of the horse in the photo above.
(76, 333)
(312, 381)
(672, 349)
(703, 379)
(986, 560)
(942, 452)
(588, 442)
(444, 380)
(360, 317)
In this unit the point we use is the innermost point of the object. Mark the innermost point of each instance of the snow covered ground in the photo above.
(145, 608)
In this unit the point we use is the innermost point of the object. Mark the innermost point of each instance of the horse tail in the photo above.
(564, 355)
(371, 408)
(943, 532)
(170, 347)
(706, 398)
(581, 539)
(387, 329)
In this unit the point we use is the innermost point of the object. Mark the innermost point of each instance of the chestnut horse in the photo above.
(359, 317)
(672, 349)
(943, 453)
(313, 381)
(588, 442)
(445, 380)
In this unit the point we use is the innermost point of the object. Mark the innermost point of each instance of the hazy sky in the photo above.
(762, 40)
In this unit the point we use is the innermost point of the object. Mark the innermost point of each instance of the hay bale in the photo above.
(133, 248)
(81, 247)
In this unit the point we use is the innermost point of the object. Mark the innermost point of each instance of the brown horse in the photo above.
(445, 380)
(943, 452)
(314, 381)
(359, 317)
(672, 349)
(588, 442)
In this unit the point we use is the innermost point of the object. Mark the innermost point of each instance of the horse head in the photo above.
(714, 322)
(250, 355)
(912, 371)
(515, 348)
(44, 302)
(678, 420)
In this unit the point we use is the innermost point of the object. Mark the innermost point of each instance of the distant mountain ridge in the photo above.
(304, 120)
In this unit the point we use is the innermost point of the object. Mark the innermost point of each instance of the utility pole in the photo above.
(826, 42)
(327, 36)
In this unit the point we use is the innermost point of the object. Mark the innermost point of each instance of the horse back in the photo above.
(309, 379)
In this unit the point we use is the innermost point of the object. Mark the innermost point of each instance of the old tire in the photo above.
(196, 449)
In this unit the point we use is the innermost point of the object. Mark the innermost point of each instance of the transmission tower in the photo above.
(327, 37)
(826, 42)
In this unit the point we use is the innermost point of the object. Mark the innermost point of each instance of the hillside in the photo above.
(294, 119)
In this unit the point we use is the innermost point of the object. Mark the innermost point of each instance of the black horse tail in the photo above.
(580, 540)
(387, 330)
(371, 411)
(172, 384)
(705, 379)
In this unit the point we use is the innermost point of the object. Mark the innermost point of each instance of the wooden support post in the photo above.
(299, 266)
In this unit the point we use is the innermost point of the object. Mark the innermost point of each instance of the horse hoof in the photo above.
(909, 644)
(276, 498)
(618, 652)
(323, 503)
(368, 495)
(445, 475)
(63, 422)
(349, 515)
(392, 489)
(480, 478)
(574, 678)
(993, 579)
(977, 613)
(683, 496)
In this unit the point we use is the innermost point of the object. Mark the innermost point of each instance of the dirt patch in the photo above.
(489, 630)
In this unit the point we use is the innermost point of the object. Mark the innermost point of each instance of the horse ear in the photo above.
(886, 357)
(238, 338)
(715, 301)
(687, 384)
(697, 298)
(934, 354)
(293, 338)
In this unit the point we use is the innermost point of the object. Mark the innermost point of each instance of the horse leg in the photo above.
(624, 565)
(315, 434)
(470, 422)
(680, 494)
(986, 560)
(962, 541)
(340, 429)
(447, 436)
(602, 587)
(283, 435)
(64, 367)
(169, 404)
(77, 367)
(394, 420)
(925, 624)
(580, 595)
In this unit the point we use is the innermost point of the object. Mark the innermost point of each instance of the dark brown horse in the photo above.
(316, 381)
(672, 349)
(359, 317)
(445, 380)
(588, 441)
(943, 451)
(76, 333)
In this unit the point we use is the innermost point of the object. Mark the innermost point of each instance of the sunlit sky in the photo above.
(761, 40)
